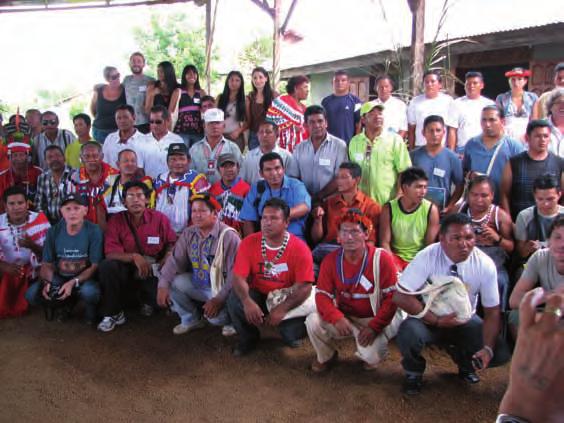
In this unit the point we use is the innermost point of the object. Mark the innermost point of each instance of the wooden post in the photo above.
(277, 37)
(208, 47)
(417, 44)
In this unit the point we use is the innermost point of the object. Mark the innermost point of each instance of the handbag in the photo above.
(443, 295)
(278, 296)
(217, 273)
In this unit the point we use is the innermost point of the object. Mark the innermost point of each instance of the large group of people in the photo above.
(327, 221)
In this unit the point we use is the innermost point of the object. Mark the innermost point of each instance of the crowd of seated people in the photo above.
(324, 221)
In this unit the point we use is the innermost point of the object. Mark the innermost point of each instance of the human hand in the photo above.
(344, 327)
(448, 321)
(275, 316)
(318, 212)
(531, 246)
(142, 265)
(163, 297)
(65, 291)
(12, 269)
(212, 307)
(536, 378)
(484, 356)
(253, 312)
(27, 242)
(366, 336)
(45, 291)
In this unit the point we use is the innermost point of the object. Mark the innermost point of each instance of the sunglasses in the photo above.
(114, 77)
(49, 122)
(156, 122)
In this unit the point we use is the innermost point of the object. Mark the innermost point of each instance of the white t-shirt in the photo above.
(478, 273)
(395, 114)
(420, 107)
(465, 115)
(112, 146)
(151, 154)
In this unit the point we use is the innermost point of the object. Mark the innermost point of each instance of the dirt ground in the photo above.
(67, 372)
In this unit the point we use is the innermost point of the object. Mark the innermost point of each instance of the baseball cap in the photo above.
(213, 115)
(177, 148)
(73, 197)
(369, 105)
(226, 158)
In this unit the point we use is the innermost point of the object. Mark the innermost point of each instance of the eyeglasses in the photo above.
(46, 122)
(114, 77)
(350, 233)
(156, 122)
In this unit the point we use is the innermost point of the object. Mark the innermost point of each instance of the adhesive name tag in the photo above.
(325, 162)
(366, 284)
(142, 88)
(439, 172)
(359, 157)
(280, 267)
(153, 240)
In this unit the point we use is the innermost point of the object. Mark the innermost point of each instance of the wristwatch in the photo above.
(76, 282)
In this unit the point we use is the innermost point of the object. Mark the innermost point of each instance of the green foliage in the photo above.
(175, 39)
(47, 99)
(78, 105)
(256, 53)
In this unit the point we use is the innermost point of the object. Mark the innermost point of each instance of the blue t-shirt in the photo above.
(442, 170)
(72, 254)
(477, 158)
(341, 115)
(293, 192)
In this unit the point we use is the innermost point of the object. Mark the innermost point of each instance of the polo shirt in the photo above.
(152, 153)
(250, 169)
(204, 159)
(420, 107)
(335, 207)
(343, 113)
(478, 272)
(294, 266)
(292, 191)
(477, 158)
(442, 170)
(135, 92)
(113, 145)
(395, 114)
(317, 168)
(465, 116)
(380, 169)
(154, 233)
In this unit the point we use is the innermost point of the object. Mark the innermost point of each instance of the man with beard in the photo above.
(136, 90)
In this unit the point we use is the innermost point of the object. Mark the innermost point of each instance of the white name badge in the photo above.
(142, 88)
(439, 172)
(153, 240)
(280, 267)
(196, 101)
(325, 162)
(366, 284)
(359, 157)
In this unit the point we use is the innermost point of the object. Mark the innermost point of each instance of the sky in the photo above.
(56, 50)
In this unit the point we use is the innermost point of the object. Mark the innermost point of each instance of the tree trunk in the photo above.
(417, 44)
(277, 37)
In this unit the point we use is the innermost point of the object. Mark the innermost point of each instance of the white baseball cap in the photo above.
(213, 115)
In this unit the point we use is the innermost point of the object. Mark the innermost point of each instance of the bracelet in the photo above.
(508, 418)
(489, 350)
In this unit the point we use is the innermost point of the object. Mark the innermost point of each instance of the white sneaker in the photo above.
(228, 330)
(181, 329)
(108, 323)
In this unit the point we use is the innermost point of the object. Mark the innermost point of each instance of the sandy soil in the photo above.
(67, 372)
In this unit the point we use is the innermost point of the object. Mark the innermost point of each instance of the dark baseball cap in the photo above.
(177, 148)
(73, 197)
(226, 158)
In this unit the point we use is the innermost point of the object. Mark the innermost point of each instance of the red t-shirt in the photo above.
(295, 265)
(329, 282)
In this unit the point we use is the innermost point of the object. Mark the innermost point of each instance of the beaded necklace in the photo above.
(269, 265)
(356, 278)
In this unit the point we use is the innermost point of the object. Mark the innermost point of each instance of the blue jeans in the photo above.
(291, 329)
(100, 134)
(185, 297)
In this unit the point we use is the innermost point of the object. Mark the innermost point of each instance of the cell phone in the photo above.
(477, 363)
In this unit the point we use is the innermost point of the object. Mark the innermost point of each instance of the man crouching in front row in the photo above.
(273, 262)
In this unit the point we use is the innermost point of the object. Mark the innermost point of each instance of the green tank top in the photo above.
(408, 229)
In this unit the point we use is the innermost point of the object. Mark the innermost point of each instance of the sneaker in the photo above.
(146, 310)
(228, 330)
(244, 348)
(181, 328)
(317, 367)
(108, 323)
(469, 377)
(412, 384)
